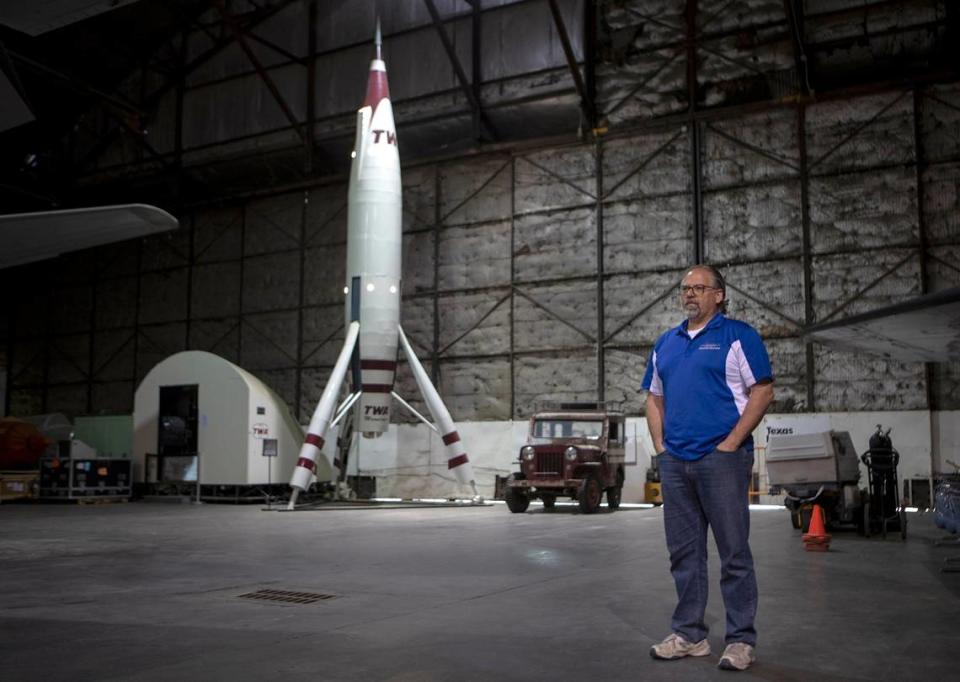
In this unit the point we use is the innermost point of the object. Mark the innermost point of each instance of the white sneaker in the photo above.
(675, 646)
(737, 656)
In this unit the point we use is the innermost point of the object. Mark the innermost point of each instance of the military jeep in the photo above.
(574, 451)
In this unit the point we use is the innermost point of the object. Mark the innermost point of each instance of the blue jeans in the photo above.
(711, 491)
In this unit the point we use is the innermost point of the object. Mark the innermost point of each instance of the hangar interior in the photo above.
(563, 162)
(548, 213)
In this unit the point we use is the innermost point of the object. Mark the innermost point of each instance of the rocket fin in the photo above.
(457, 459)
(320, 421)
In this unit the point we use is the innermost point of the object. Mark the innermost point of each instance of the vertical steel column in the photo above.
(136, 324)
(93, 326)
(695, 164)
(590, 88)
(808, 314)
(243, 258)
(190, 265)
(919, 158)
(476, 67)
(310, 128)
(46, 339)
(141, 99)
(919, 165)
(795, 22)
(309, 139)
(437, 218)
(513, 294)
(589, 59)
(696, 171)
(922, 230)
(601, 334)
(8, 377)
(928, 367)
(298, 383)
(178, 122)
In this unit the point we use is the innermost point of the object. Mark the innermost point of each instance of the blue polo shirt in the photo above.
(705, 382)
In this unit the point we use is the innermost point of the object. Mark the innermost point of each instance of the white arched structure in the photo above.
(235, 413)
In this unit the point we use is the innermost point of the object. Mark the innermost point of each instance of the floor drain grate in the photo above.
(288, 597)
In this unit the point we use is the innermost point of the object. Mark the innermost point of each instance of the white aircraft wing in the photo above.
(923, 329)
(29, 237)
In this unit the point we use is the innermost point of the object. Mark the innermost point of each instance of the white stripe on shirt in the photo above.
(739, 375)
(655, 386)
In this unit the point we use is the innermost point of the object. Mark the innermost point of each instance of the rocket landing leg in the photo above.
(456, 455)
(320, 421)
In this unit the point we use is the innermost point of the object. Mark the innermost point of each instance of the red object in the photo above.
(816, 539)
(21, 444)
(377, 88)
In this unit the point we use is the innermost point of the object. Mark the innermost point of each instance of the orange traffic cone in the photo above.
(816, 538)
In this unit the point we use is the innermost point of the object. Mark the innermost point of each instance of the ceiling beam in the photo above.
(7, 67)
(152, 100)
(794, 12)
(458, 69)
(75, 83)
(586, 100)
(238, 34)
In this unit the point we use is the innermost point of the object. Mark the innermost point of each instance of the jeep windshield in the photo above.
(553, 429)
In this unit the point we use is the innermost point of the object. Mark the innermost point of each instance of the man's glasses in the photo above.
(698, 289)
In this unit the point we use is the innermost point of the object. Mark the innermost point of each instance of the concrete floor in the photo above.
(149, 591)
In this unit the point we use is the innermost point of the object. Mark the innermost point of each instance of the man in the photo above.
(709, 383)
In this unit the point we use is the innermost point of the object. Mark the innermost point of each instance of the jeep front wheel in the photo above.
(589, 495)
(517, 501)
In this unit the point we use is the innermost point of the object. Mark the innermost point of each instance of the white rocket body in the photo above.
(372, 299)
(374, 241)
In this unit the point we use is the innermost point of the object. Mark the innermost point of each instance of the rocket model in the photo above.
(372, 298)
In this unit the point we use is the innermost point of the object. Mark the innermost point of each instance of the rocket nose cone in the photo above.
(377, 87)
